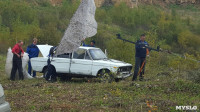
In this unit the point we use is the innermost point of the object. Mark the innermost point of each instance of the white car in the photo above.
(4, 106)
(85, 62)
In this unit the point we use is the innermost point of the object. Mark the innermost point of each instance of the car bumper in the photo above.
(5, 107)
(123, 75)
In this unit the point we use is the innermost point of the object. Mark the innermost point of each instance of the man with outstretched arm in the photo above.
(18, 53)
(92, 43)
(140, 57)
(33, 51)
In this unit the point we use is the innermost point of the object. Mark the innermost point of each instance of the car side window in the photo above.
(65, 55)
(87, 57)
(79, 54)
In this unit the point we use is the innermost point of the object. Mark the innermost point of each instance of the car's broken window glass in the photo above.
(97, 54)
(87, 57)
(79, 54)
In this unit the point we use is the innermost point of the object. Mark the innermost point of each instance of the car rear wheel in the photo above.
(45, 73)
(50, 74)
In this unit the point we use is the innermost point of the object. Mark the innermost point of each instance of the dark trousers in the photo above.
(17, 65)
(30, 69)
(138, 64)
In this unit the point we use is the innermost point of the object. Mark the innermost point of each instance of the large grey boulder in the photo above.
(82, 25)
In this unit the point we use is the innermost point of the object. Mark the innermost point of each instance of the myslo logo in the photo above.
(186, 107)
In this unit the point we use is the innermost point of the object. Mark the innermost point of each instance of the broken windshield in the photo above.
(97, 54)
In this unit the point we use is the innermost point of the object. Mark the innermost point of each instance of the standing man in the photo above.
(142, 51)
(92, 43)
(18, 53)
(33, 51)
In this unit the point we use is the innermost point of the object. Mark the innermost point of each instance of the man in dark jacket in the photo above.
(140, 57)
(18, 53)
(92, 43)
(33, 51)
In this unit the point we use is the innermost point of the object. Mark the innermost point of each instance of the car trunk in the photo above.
(44, 49)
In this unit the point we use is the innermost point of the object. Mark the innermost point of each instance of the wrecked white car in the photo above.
(85, 62)
(4, 106)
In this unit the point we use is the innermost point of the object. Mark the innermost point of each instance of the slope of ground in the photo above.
(159, 92)
(163, 90)
(135, 3)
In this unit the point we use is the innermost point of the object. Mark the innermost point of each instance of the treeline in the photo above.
(167, 28)
(24, 20)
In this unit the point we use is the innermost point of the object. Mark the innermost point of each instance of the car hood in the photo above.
(1, 91)
(44, 49)
(112, 62)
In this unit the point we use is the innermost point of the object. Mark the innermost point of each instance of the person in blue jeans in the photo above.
(33, 51)
(142, 50)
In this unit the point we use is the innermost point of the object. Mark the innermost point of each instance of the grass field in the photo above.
(159, 93)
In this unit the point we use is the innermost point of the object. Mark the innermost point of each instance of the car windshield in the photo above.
(97, 54)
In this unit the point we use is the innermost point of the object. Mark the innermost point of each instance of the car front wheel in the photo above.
(106, 76)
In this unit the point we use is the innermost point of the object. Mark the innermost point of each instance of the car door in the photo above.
(81, 63)
(62, 63)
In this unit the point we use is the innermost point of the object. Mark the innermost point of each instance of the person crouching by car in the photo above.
(33, 51)
(18, 53)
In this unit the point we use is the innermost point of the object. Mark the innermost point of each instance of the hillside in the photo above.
(171, 79)
(135, 3)
(161, 91)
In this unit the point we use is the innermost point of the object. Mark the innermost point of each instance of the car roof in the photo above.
(83, 47)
